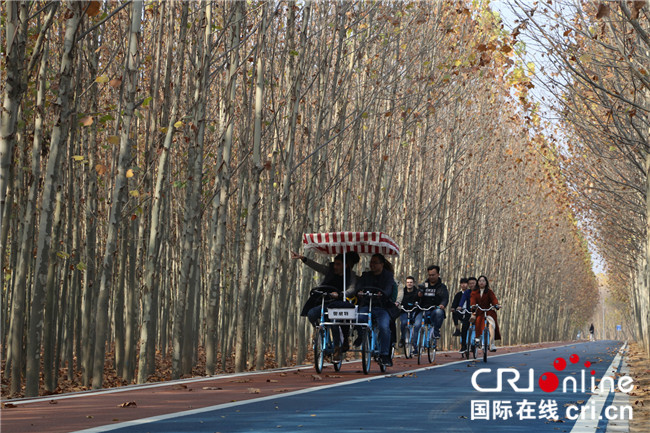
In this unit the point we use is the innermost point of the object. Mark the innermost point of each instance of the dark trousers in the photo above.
(463, 332)
(457, 317)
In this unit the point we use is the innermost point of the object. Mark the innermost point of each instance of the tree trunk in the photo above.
(59, 133)
(16, 38)
(118, 196)
(147, 332)
(220, 206)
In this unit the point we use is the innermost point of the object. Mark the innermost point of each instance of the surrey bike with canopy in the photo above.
(340, 243)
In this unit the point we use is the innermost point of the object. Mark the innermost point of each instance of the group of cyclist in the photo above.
(427, 301)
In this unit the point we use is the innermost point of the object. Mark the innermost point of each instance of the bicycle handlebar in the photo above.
(370, 291)
(428, 308)
(492, 307)
(371, 294)
(324, 290)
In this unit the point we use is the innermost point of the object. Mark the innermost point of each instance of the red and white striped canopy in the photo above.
(341, 242)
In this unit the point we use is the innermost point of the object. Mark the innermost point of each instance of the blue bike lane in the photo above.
(440, 398)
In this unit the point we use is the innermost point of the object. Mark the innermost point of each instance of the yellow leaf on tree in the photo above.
(86, 121)
(113, 139)
(101, 169)
(178, 124)
(134, 193)
(129, 173)
(78, 158)
(93, 8)
(102, 79)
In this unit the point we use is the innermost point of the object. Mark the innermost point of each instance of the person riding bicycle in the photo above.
(484, 297)
(333, 276)
(407, 298)
(464, 305)
(457, 316)
(381, 277)
(433, 292)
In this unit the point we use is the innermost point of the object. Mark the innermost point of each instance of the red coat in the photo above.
(488, 298)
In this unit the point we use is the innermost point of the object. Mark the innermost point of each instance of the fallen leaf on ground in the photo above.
(128, 404)
(253, 390)
(211, 388)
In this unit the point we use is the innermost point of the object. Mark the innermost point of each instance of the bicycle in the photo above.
(470, 344)
(408, 345)
(324, 343)
(425, 340)
(485, 337)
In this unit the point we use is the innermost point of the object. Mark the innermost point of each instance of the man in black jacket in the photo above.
(432, 292)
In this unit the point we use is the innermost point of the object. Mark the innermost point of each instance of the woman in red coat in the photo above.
(484, 298)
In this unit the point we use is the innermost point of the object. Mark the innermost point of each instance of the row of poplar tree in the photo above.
(160, 159)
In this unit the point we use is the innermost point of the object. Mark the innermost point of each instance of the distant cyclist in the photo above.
(407, 298)
(432, 293)
(484, 297)
(456, 316)
(465, 305)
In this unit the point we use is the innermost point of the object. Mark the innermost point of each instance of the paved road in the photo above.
(439, 399)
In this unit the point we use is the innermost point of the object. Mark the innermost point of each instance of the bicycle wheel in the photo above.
(319, 350)
(472, 341)
(431, 349)
(366, 356)
(375, 350)
(421, 338)
(336, 362)
(486, 341)
(408, 347)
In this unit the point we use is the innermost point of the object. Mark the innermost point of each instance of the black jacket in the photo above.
(409, 299)
(456, 301)
(433, 295)
(330, 279)
(383, 282)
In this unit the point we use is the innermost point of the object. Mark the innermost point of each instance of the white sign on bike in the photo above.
(342, 313)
